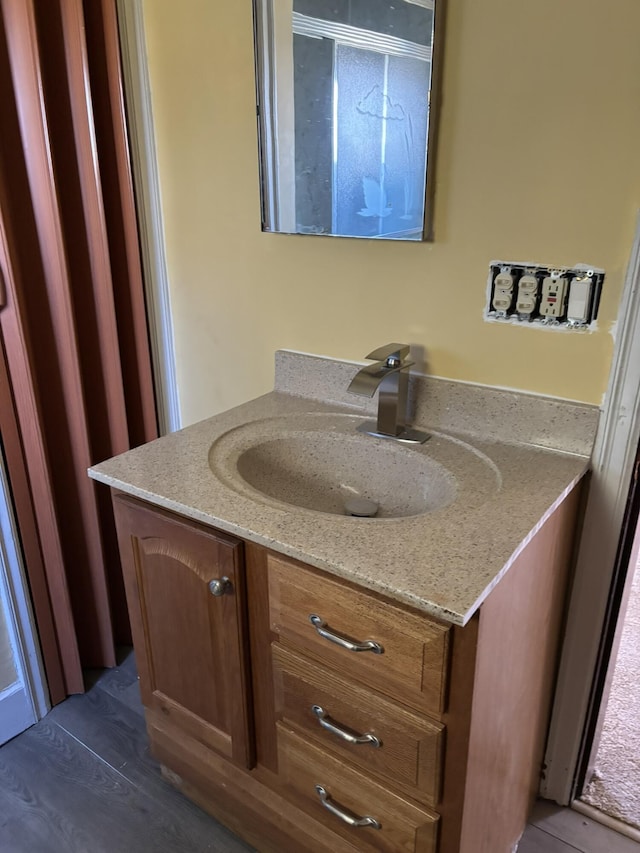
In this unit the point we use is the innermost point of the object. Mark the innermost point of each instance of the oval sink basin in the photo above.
(319, 462)
(323, 471)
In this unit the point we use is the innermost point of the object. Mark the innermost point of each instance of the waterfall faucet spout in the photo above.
(390, 375)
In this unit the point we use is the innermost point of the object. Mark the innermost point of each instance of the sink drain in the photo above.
(361, 508)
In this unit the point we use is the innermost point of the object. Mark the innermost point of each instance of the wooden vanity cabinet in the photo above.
(267, 717)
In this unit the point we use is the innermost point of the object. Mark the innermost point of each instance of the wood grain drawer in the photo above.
(408, 749)
(403, 826)
(413, 650)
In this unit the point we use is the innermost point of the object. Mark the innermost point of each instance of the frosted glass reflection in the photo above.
(343, 106)
(379, 158)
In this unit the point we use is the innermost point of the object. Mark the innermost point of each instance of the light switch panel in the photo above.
(536, 295)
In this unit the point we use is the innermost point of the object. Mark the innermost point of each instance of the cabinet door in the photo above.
(191, 645)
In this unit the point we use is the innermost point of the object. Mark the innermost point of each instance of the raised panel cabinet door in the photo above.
(186, 597)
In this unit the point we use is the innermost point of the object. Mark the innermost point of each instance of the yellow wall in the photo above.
(539, 153)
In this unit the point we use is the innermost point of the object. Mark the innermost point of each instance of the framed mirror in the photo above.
(347, 103)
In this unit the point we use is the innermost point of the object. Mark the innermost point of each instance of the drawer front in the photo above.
(402, 653)
(402, 747)
(338, 796)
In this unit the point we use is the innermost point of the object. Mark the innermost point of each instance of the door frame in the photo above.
(144, 161)
(613, 462)
(628, 555)
(30, 699)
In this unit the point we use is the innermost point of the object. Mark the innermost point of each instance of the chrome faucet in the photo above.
(390, 374)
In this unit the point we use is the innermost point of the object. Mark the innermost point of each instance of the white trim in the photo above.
(149, 210)
(613, 460)
(27, 700)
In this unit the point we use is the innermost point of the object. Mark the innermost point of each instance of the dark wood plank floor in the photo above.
(557, 830)
(82, 781)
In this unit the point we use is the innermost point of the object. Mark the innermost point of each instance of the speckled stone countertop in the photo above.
(532, 451)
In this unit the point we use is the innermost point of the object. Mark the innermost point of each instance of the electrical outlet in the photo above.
(527, 295)
(504, 280)
(502, 292)
(554, 291)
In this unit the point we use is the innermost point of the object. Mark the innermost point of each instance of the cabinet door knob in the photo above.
(218, 586)
(344, 814)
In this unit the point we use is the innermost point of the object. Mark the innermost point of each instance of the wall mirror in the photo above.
(346, 114)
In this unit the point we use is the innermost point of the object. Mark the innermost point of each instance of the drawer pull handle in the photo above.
(335, 728)
(344, 814)
(344, 642)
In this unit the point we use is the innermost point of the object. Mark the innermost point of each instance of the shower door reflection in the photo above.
(344, 116)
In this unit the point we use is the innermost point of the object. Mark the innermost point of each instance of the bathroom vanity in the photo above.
(326, 683)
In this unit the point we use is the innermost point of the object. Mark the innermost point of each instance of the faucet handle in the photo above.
(390, 352)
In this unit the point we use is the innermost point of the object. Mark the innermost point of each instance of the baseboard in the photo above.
(606, 820)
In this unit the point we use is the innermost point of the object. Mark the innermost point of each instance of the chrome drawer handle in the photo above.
(335, 728)
(345, 815)
(344, 642)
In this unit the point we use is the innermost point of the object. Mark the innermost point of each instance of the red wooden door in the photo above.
(73, 324)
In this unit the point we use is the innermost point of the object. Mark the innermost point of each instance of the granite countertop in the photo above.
(444, 562)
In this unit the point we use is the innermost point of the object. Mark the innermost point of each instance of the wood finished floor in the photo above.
(82, 781)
